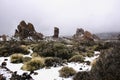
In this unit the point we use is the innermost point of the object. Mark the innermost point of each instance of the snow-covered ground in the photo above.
(46, 74)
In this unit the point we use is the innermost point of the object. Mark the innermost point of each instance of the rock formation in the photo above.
(88, 36)
(84, 35)
(27, 30)
(79, 31)
(3, 37)
(56, 32)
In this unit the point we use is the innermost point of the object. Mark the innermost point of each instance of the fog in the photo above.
(93, 15)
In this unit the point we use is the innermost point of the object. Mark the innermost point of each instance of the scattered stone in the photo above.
(5, 59)
(3, 64)
(35, 73)
(80, 69)
(31, 72)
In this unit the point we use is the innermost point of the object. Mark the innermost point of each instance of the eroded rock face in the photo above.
(27, 30)
(79, 31)
(84, 35)
(88, 36)
(56, 32)
(79, 34)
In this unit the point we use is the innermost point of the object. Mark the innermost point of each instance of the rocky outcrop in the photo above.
(26, 31)
(84, 35)
(88, 36)
(56, 32)
(79, 31)
(3, 37)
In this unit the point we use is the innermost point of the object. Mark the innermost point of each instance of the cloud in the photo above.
(93, 15)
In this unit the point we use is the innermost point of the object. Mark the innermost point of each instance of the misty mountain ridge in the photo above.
(108, 35)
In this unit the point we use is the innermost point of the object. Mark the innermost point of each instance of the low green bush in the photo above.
(53, 49)
(35, 55)
(77, 58)
(16, 58)
(11, 48)
(34, 64)
(67, 72)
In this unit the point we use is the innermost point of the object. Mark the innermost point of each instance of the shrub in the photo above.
(108, 64)
(89, 54)
(77, 58)
(82, 76)
(67, 72)
(16, 58)
(26, 59)
(53, 49)
(35, 55)
(11, 48)
(103, 46)
(53, 61)
(34, 64)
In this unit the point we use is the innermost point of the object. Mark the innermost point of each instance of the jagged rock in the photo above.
(37, 36)
(3, 64)
(27, 30)
(79, 31)
(84, 35)
(88, 36)
(56, 32)
(31, 27)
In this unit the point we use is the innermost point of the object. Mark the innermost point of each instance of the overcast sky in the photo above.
(92, 15)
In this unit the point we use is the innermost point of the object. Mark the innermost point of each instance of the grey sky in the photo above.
(92, 15)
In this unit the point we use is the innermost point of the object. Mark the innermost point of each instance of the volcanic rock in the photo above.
(84, 35)
(26, 31)
(56, 32)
